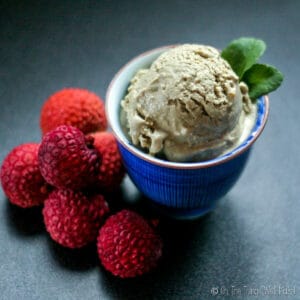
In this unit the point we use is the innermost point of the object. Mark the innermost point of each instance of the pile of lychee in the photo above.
(70, 172)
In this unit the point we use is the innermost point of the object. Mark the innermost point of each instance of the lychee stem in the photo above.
(89, 141)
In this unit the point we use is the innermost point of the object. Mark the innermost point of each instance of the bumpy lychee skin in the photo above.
(76, 107)
(67, 158)
(21, 178)
(72, 218)
(111, 171)
(127, 245)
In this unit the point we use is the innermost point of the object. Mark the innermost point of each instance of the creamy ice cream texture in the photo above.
(187, 106)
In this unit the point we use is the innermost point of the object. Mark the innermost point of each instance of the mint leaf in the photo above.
(262, 79)
(242, 53)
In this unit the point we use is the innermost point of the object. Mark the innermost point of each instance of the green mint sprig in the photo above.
(242, 55)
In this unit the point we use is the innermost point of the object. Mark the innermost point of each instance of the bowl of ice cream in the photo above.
(185, 126)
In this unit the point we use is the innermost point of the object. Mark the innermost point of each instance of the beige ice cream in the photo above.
(188, 106)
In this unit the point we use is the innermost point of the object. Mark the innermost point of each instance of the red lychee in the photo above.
(127, 245)
(72, 218)
(111, 169)
(21, 178)
(67, 158)
(76, 107)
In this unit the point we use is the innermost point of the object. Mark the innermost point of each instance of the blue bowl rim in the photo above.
(122, 139)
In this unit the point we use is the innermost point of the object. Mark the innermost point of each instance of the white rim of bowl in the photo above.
(120, 135)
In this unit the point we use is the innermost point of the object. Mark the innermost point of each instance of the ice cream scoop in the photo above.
(187, 106)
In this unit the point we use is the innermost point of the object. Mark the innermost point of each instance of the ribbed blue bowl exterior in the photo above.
(183, 189)
(190, 192)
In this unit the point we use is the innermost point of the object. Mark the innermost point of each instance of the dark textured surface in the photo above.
(252, 239)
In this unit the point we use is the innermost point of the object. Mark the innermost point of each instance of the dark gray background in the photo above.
(251, 240)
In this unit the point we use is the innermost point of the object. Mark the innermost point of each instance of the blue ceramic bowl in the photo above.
(182, 190)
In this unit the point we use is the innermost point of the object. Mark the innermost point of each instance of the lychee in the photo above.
(76, 107)
(21, 178)
(72, 218)
(67, 158)
(111, 170)
(127, 245)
